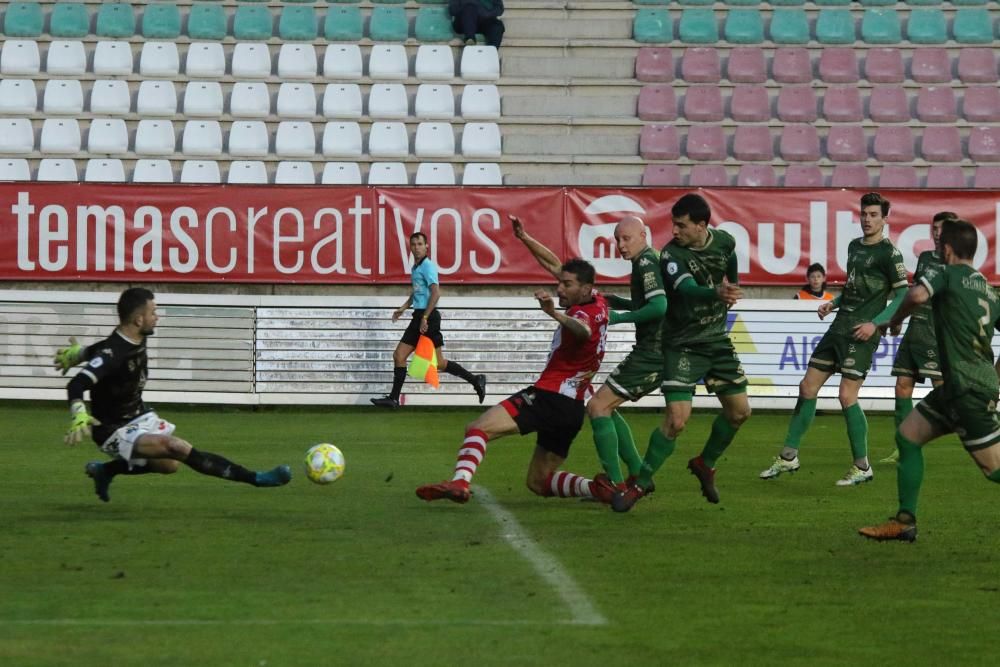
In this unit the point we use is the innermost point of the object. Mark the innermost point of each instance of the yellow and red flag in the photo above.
(424, 363)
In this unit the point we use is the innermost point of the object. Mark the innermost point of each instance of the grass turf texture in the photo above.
(191, 570)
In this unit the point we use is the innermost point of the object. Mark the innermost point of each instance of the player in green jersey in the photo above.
(700, 273)
(966, 311)
(875, 270)
(639, 373)
(917, 357)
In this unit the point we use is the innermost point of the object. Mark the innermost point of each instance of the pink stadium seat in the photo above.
(706, 143)
(842, 104)
(797, 104)
(792, 65)
(659, 142)
(703, 104)
(888, 104)
(930, 65)
(664, 175)
(847, 143)
(884, 66)
(701, 65)
(799, 143)
(757, 176)
(654, 63)
(850, 176)
(981, 104)
(936, 104)
(984, 144)
(750, 104)
(657, 102)
(945, 176)
(803, 176)
(987, 178)
(708, 175)
(898, 176)
(753, 142)
(894, 143)
(838, 64)
(977, 65)
(747, 65)
(941, 143)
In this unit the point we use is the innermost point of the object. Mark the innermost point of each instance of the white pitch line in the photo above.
(132, 622)
(582, 610)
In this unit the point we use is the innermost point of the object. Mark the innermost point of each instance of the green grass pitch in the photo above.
(191, 570)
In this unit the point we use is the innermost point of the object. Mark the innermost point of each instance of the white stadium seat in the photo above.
(296, 100)
(250, 100)
(201, 171)
(113, 58)
(388, 61)
(294, 173)
(482, 173)
(155, 137)
(63, 97)
(342, 140)
(104, 170)
(295, 139)
(14, 170)
(435, 62)
(387, 100)
(435, 101)
(481, 102)
(18, 96)
(480, 63)
(247, 171)
(202, 138)
(251, 61)
(297, 61)
(248, 138)
(65, 58)
(156, 98)
(16, 136)
(110, 96)
(205, 60)
(203, 99)
(52, 169)
(153, 171)
(435, 173)
(339, 173)
(20, 56)
(60, 136)
(481, 140)
(107, 136)
(388, 140)
(342, 100)
(387, 173)
(159, 59)
(434, 140)
(342, 61)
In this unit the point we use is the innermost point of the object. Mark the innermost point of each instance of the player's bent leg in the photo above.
(478, 382)
(903, 406)
(151, 446)
(735, 411)
(546, 480)
(599, 409)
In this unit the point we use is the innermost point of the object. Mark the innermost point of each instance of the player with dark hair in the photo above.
(699, 269)
(875, 271)
(553, 406)
(966, 312)
(426, 321)
(122, 425)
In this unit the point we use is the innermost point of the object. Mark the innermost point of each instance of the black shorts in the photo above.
(412, 333)
(556, 418)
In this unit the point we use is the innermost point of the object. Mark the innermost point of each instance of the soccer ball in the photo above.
(324, 464)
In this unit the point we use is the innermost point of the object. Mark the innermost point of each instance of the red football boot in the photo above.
(455, 490)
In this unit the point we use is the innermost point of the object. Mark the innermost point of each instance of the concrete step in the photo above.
(569, 140)
(569, 62)
(572, 101)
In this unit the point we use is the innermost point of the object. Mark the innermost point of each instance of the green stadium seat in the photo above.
(69, 19)
(696, 3)
(742, 3)
(651, 2)
(115, 19)
(924, 2)
(428, 2)
(306, 2)
(652, 26)
(298, 23)
(252, 23)
(161, 21)
(789, 26)
(969, 3)
(973, 26)
(880, 26)
(343, 24)
(879, 3)
(927, 26)
(744, 26)
(835, 26)
(207, 21)
(388, 2)
(788, 3)
(697, 26)
(833, 3)
(344, 2)
(388, 24)
(23, 19)
(433, 24)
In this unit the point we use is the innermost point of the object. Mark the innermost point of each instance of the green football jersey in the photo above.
(966, 310)
(647, 282)
(692, 320)
(873, 272)
(921, 326)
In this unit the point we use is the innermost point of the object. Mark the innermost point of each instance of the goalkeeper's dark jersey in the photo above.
(115, 373)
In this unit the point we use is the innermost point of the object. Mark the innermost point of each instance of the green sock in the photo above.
(606, 441)
(994, 476)
(660, 449)
(904, 406)
(627, 450)
(857, 430)
(722, 435)
(802, 418)
(909, 474)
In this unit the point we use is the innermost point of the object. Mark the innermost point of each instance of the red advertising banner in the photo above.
(281, 234)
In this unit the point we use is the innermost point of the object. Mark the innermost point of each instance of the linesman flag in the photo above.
(424, 363)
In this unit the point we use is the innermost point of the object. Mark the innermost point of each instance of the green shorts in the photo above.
(972, 416)
(917, 359)
(638, 374)
(839, 353)
(716, 362)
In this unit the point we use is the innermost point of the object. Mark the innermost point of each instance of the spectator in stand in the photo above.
(815, 287)
(472, 16)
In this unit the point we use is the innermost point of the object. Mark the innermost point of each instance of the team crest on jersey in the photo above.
(96, 362)
(644, 262)
(672, 268)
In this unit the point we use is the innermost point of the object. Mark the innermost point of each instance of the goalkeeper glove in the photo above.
(80, 423)
(67, 357)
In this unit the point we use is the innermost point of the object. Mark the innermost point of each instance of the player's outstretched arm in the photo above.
(548, 259)
(68, 357)
(80, 423)
(653, 310)
(578, 329)
(618, 302)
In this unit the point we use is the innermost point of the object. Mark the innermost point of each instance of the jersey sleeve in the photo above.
(673, 271)
(583, 314)
(652, 281)
(935, 279)
(431, 273)
(896, 269)
(102, 362)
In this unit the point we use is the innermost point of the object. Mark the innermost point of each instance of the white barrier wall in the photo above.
(338, 350)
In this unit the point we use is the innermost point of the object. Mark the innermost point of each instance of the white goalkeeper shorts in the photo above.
(122, 442)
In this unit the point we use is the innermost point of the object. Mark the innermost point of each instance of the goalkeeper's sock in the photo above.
(398, 378)
(456, 369)
(606, 442)
(904, 406)
(802, 418)
(218, 466)
(910, 474)
(121, 467)
(659, 450)
(567, 485)
(470, 456)
(627, 450)
(721, 437)
(857, 433)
